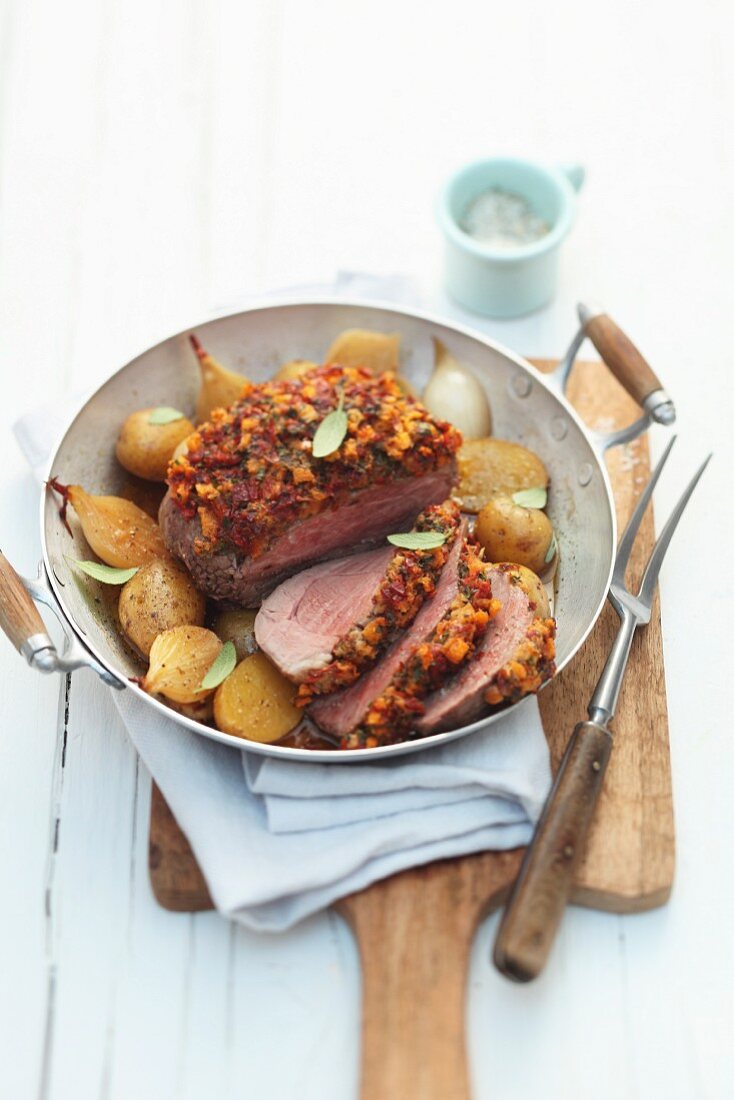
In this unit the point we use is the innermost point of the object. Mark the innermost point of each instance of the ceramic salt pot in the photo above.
(504, 220)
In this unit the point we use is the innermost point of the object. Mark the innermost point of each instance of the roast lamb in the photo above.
(327, 624)
(514, 658)
(248, 504)
(382, 706)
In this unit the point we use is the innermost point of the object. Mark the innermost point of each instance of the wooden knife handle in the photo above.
(627, 363)
(540, 893)
(19, 616)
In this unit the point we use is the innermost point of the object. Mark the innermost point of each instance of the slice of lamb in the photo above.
(319, 628)
(516, 630)
(342, 712)
(301, 622)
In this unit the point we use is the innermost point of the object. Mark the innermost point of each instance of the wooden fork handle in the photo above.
(540, 893)
(627, 363)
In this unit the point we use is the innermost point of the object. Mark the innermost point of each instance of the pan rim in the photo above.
(331, 756)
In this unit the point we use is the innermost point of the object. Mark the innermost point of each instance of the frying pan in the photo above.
(527, 407)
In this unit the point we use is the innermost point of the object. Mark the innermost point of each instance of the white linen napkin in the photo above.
(277, 841)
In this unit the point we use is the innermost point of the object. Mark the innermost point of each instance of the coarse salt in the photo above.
(503, 220)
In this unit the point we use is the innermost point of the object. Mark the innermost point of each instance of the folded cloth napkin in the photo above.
(276, 840)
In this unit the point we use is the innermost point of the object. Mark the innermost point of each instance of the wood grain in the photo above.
(19, 617)
(414, 934)
(626, 362)
(543, 884)
(177, 880)
(415, 929)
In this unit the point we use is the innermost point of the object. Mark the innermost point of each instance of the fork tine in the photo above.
(652, 569)
(629, 535)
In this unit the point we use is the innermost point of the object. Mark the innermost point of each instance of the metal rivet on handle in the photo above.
(585, 474)
(559, 428)
(521, 385)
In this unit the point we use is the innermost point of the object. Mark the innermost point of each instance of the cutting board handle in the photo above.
(541, 892)
(414, 932)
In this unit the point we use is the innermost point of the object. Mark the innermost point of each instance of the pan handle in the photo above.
(628, 366)
(21, 621)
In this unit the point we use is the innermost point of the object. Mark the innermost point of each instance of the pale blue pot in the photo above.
(507, 283)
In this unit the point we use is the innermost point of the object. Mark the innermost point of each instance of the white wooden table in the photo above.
(162, 160)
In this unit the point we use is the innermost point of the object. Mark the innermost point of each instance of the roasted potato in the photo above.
(256, 702)
(145, 449)
(293, 369)
(237, 627)
(179, 660)
(509, 532)
(160, 596)
(358, 347)
(491, 466)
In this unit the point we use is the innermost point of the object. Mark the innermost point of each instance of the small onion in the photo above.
(454, 394)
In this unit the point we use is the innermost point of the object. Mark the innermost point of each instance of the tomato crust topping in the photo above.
(249, 474)
(453, 640)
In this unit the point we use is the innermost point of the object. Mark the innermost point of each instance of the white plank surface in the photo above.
(162, 160)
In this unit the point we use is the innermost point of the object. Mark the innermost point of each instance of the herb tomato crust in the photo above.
(249, 473)
(410, 578)
(453, 641)
(532, 664)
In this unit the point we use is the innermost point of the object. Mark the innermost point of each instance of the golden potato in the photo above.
(509, 532)
(256, 702)
(293, 369)
(491, 466)
(179, 660)
(145, 449)
(160, 596)
(358, 347)
(237, 627)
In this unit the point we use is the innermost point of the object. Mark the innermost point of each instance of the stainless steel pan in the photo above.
(528, 408)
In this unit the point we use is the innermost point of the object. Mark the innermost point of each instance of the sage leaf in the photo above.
(105, 573)
(531, 498)
(551, 551)
(224, 663)
(330, 432)
(164, 414)
(418, 540)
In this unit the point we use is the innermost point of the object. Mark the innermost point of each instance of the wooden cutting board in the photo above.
(415, 930)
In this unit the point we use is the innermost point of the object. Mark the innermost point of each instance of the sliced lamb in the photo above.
(391, 717)
(299, 625)
(342, 712)
(249, 505)
(514, 658)
(326, 625)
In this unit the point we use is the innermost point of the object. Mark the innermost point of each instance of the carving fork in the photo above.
(540, 893)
